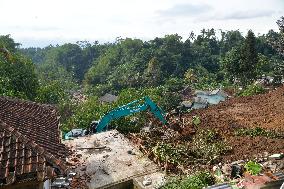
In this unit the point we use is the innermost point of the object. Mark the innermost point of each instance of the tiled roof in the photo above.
(22, 159)
(39, 122)
(30, 145)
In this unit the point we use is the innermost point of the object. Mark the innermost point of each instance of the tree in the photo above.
(249, 59)
(154, 73)
(7, 42)
(17, 77)
(279, 45)
(241, 62)
(229, 40)
(277, 42)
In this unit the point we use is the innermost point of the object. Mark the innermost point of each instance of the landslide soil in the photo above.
(265, 111)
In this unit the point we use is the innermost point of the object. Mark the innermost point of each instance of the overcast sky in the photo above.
(41, 22)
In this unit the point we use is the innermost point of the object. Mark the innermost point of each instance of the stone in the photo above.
(238, 162)
(277, 156)
(265, 154)
(147, 181)
(226, 169)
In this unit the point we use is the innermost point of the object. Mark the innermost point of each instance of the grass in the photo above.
(257, 131)
(196, 181)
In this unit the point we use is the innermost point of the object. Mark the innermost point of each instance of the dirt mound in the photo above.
(264, 111)
(238, 129)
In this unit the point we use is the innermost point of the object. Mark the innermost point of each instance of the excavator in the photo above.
(135, 106)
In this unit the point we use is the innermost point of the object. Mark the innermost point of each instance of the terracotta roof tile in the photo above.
(39, 122)
(29, 141)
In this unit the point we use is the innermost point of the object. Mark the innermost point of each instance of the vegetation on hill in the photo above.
(160, 67)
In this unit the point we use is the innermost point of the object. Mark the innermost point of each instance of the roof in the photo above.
(22, 159)
(214, 92)
(200, 100)
(108, 98)
(219, 92)
(29, 139)
(39, 122)
(187, 104)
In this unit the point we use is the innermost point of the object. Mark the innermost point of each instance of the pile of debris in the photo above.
(263, 172)
(245, 128)
(108, 159)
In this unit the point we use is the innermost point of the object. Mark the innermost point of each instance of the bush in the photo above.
(197, 181)
(257, 131)
(252, 90)
(253, 167)
(208, 145)
(166, 152)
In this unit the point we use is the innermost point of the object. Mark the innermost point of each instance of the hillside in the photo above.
(243, 128)
(265, 111)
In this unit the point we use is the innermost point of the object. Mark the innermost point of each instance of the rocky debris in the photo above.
(235, 172)
(147, 181)
(264, 111)
(118, 160)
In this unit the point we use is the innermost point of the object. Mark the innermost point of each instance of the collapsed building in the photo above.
(31, 152)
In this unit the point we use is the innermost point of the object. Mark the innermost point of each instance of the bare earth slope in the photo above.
(265, 111)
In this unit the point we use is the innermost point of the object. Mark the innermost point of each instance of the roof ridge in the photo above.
(32, 144)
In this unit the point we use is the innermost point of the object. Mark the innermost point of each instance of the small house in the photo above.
(199, 103)
(213, 97)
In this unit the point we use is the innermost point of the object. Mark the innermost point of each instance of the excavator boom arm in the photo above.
(131, 108)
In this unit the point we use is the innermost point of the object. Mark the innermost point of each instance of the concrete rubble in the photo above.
(271, 175)
(105, 159)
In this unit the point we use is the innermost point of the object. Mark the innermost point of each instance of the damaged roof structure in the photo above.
(108, 98)
(31, 151)
(212, 97)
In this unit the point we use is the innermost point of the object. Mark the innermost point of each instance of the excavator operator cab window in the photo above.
(93, 126)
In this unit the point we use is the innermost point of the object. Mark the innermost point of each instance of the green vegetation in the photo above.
(17, 74)
(252, 90)
(240, 63)
(257, 131)
(130, 68)
(168, 153)
(197, 181)
(208, 145)
(196, 120)
(253, 167)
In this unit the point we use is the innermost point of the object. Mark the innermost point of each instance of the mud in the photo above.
(265, 111)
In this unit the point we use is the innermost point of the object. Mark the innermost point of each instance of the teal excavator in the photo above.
(135, 106)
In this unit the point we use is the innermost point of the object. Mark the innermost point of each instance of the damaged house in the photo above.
(31, 152)
(203, 99)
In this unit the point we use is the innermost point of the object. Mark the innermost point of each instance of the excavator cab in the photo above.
(93, 127)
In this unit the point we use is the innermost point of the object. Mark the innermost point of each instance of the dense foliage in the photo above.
(17, 74)
(132, 68)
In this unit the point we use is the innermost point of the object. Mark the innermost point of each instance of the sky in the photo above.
(38, 23)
